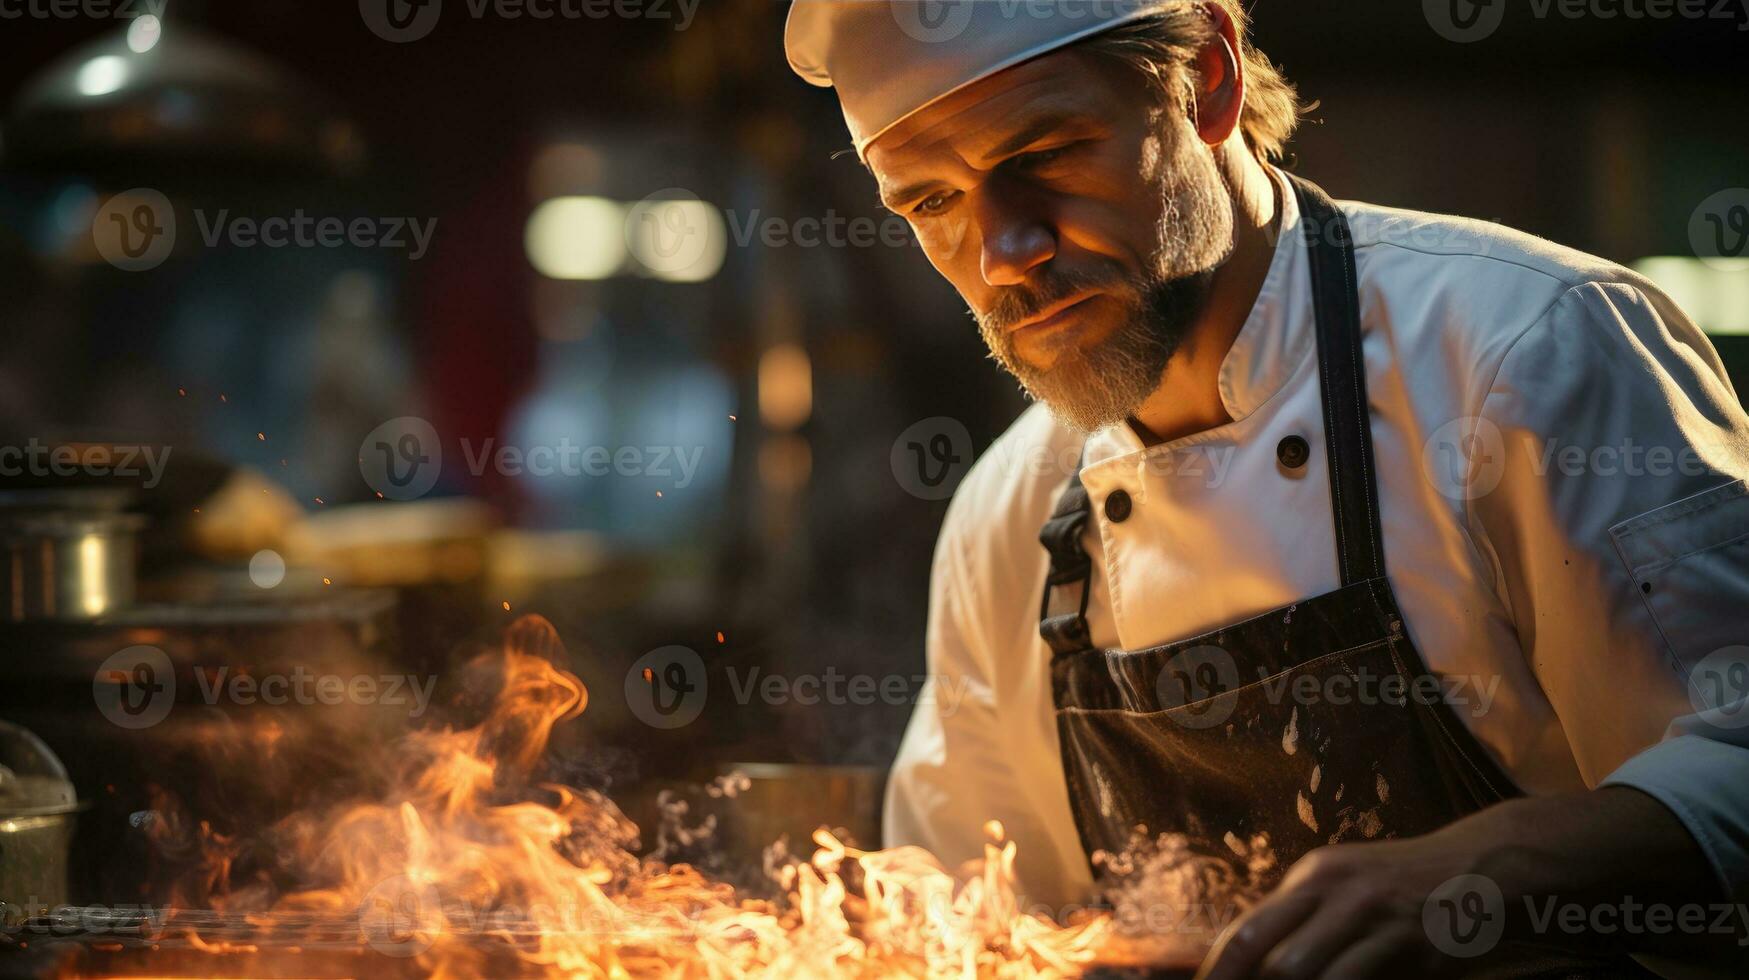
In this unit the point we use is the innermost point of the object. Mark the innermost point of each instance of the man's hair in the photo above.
(1162, 47)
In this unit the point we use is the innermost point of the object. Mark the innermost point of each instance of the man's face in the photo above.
(1078, 218)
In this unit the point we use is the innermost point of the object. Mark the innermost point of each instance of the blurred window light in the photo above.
(677, 239)
(577, 238)
(93, 575)
(144, 32)
(102, 75)
(1714, 291)
(786, 387)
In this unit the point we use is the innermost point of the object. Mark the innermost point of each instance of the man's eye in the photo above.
(1039, 158)
(933, 204)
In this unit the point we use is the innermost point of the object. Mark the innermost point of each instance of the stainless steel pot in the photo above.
(38, 807)
(65, 556)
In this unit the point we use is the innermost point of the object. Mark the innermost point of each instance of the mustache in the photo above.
(1017, 303)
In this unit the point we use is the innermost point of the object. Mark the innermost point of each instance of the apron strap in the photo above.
(1063, 610)
(1360, 549)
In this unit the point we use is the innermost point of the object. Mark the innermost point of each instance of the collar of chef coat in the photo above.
(1275, 341)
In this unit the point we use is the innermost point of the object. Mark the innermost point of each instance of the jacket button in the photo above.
(1117, 506)
(1293, 452)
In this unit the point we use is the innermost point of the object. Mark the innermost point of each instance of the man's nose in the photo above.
(1015, 242)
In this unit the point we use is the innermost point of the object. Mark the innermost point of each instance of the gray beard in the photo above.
(1092, 388)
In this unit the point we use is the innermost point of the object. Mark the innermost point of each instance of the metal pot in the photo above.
(38, 806)
(65, 555)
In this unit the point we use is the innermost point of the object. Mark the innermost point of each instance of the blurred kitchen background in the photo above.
(546, 309)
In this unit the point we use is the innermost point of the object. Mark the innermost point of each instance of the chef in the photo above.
(1413, 549)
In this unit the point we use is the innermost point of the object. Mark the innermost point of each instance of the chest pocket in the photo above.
(1690, 562)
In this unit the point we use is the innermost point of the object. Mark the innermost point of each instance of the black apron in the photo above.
(1206, 737)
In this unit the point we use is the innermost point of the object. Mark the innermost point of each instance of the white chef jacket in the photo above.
(1551, 432)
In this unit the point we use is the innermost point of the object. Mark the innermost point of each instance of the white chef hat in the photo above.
(890, 58)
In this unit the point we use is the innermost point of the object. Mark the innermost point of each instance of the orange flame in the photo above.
(465, 859)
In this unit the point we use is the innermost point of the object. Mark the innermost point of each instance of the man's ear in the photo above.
(1220, 81)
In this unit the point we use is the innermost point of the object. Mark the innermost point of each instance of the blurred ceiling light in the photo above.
(144, 32)
(577, 238)
(1714, 291)
(102, 75)
(141, 103)
(786, 387)
(677, 239)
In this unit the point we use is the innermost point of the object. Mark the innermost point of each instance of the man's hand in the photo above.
(1349, 910)
(1356, 910)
